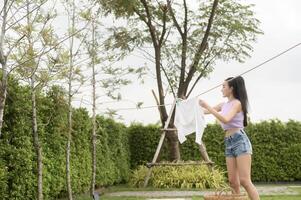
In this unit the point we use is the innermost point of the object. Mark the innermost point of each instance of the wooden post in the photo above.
(204, 155)
(158, 104)
(159, 144)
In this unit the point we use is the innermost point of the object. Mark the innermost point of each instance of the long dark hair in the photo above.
(240, 93)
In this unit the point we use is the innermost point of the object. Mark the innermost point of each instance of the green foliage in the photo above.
(18, 164)
(53, 113)
(186, 176)
(143, 141)
(234, 24)
(233, 31)
(3, 179)
(138, 175)
(16, 153)
(276, 148)
(119, 8)
(81, 159)
(292, 153)
(40, 36)
(104, 174)
(112, 152)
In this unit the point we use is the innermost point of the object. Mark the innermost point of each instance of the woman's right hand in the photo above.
(203, 103)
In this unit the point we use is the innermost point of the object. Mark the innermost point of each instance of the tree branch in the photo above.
(164, 8)
(201, 47)
(174, 18)
(181, 90)
(16, 43)
(149, 23)
(199, 77)
(53, 47)
(208, 63)
(26, 15)
(168, 80)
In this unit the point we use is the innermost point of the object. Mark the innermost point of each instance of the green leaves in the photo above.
(232, 34)
(186, 176)
(113, 153)
(86, 14)
(48, 36)
(125, 40)
(119, 8)
(17, 155)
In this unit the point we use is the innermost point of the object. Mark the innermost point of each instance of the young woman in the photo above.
(238, 149)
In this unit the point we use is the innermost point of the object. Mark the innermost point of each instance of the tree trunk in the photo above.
(68, 146)
(69, 189)
(172, 137)
(183, 84)
(173, 146)
(37, 146)
(3, 89)
(36, 142)
(93, 114)
(3, 85)
(174, 152)
(157, 44)
(68, 176)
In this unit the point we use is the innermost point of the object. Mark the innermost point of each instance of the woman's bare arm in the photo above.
(226, 118)
(217, 108)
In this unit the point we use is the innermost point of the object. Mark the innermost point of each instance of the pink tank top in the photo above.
(236, 122)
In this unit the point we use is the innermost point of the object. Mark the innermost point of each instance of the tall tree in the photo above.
(33, 65)
(72, 72)
(187, 40)
(3, 61)
(107, 76)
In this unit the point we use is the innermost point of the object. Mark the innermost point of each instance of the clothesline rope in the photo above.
(249, 70)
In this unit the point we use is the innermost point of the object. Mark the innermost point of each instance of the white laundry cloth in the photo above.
(189, 118)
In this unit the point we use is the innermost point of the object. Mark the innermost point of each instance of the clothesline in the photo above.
(247, 71)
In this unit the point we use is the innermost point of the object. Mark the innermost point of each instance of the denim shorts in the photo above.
(237, 144)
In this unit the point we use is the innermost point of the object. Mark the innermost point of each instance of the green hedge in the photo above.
(143, 142)
(276, 148)
(18, 166)
(112, 153)
(16, 149)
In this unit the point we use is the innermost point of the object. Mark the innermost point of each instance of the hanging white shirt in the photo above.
(189, 118)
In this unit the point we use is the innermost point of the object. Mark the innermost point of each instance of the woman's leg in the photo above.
(233, 174)
(243, 163)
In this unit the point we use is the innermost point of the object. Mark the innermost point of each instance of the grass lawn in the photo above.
(278, 197)
(290, 197)
(126, 188)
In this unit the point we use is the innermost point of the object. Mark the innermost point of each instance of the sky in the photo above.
(273, 89)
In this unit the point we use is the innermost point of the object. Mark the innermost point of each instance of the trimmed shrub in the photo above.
(112, 152)
(143, 141)
(185, 176)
